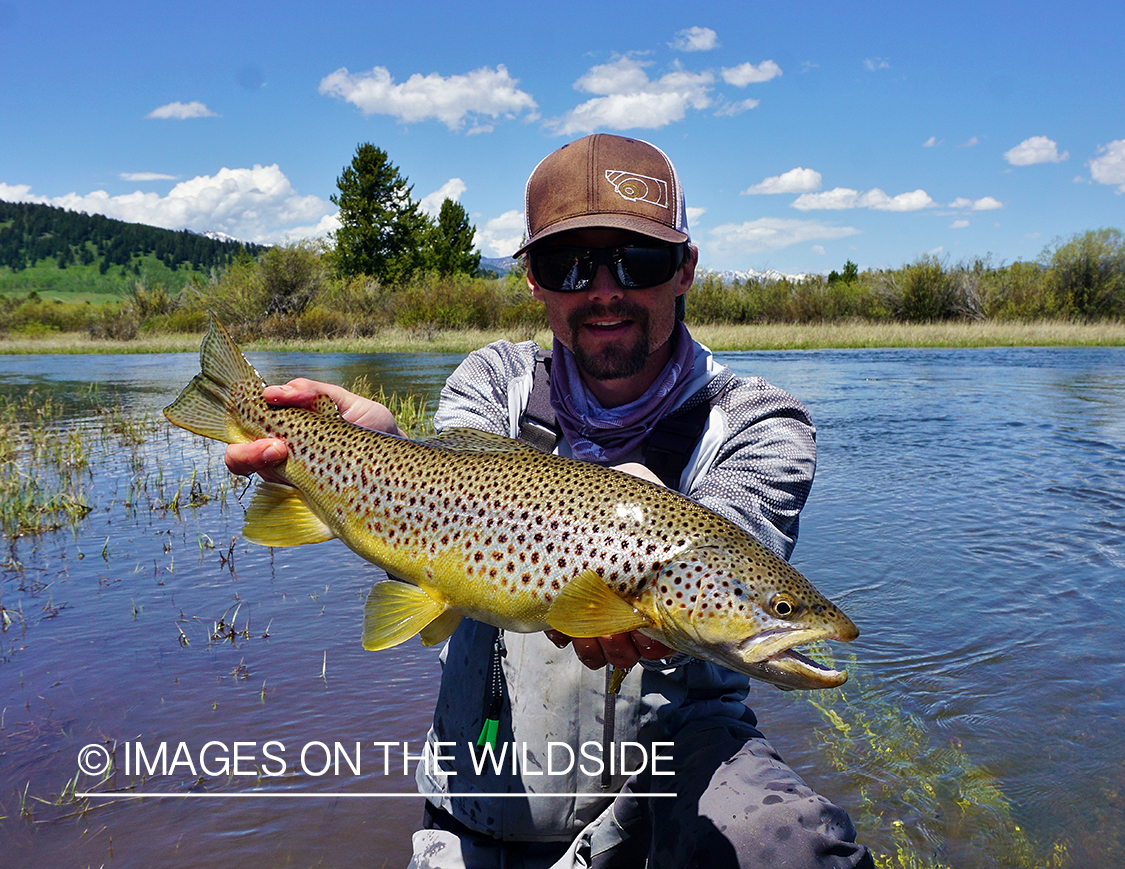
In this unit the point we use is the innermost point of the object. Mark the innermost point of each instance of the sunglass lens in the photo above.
(642, 267)
(568, 269)
(557, 269)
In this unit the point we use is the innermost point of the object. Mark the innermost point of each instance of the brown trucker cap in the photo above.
(606, 182)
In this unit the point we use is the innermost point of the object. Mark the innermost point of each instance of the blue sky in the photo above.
(806, 134)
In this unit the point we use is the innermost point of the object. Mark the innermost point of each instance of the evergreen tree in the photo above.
(382, 232)
(452, 242)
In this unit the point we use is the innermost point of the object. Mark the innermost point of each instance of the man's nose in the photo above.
(603, 285)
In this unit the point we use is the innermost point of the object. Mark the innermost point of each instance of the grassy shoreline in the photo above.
(850, 334)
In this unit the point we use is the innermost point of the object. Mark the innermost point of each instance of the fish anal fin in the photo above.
(278, 515)
(587, 607)
(441, 628)
(396, 611)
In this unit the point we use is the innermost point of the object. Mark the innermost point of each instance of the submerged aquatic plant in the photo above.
(917, 793)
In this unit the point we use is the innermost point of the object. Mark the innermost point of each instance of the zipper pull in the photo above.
(494, 702)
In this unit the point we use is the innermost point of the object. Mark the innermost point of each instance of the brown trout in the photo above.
(476, 525)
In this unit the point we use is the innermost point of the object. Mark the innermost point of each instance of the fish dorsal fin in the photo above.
(395, 611)
(278, 515)
(325, 406)
(471, 440)
(587, 607)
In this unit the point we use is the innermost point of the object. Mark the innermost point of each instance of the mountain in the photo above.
(501, 265)
(728, 276)
(31, 233)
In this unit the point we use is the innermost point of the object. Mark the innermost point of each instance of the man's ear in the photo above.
(687, 270)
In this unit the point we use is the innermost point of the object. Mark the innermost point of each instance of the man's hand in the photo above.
(257, 457)
(621, 650)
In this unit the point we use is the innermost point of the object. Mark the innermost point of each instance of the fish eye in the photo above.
(784, 606)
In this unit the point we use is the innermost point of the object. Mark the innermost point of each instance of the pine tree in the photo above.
(452, 242)
(382, 232)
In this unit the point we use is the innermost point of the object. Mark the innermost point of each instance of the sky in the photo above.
(805, 134)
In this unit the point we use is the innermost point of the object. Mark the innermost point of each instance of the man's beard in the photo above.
(612, 362)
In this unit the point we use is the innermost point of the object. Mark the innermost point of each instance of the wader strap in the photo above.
(538, 427)
(673, 440)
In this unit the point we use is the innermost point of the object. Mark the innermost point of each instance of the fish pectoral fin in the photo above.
(441, 628)
(587, 607)
(396, 611)
(278, 515)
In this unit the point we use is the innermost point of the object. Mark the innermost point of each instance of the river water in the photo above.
(968, 513)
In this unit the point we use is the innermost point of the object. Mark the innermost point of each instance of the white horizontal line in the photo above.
(351, 795)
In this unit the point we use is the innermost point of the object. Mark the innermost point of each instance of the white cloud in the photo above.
(985, 203)
(959, 224)
(182, 111)
(693, 215)
(622, 76)
(771, 233)
(502, 235)
(630, 100)
(930, 142)
(256, 204)
(844, 197)
(874, 63)
(1037, 149)
(797, 180)
(327, 224)
(729, 110)
(451, 100)
(451, 189)
(818, 249)
(835, 199)
(1109, 167)
(971, 142)
(747, 73)
(146, 176)
(875, 198)
(696, 39)
(18, 193)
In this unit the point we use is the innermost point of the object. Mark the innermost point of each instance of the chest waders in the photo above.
(666, 452)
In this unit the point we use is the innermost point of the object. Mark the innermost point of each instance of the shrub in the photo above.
(1088, 273)
(925, 291)
(292, 277)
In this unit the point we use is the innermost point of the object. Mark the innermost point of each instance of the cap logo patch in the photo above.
(638, 188)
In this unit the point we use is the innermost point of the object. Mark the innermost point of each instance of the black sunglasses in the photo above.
(633, 266)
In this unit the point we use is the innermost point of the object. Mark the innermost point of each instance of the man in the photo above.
(609, 256)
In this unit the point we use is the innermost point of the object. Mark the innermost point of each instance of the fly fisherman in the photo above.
(609, 255)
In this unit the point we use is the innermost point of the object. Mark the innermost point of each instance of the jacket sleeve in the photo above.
(762, 463)
(488, 389)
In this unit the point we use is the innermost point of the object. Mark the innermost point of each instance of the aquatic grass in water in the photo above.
(46, 476)
(916, 795)
(43, 467)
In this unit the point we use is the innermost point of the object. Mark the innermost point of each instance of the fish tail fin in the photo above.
(207, 406)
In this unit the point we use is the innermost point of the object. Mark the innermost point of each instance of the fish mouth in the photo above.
(770, 656)
(790, 670)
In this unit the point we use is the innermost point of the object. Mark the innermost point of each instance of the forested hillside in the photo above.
(32, 234)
